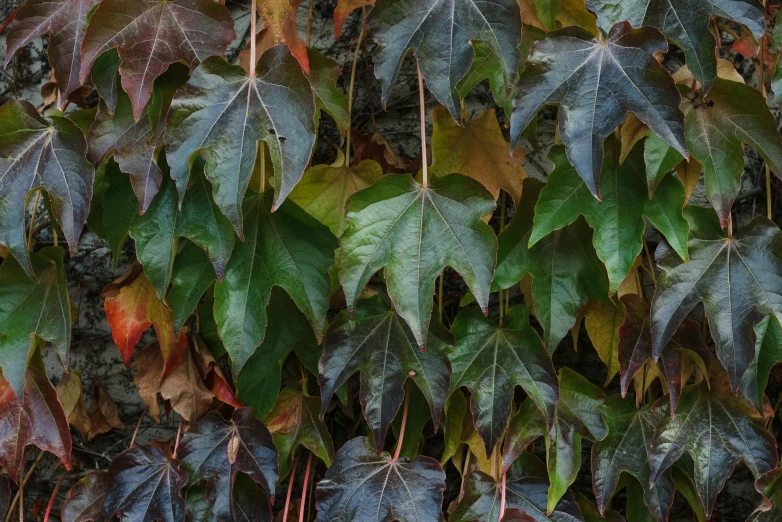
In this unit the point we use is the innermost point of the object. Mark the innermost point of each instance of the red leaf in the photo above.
(280, 19)
(343, 10)
(132, 306)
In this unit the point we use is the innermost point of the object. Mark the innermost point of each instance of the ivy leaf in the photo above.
(717, 430)
(490, 361)
(85, 499)
(441, 33)
(329, 98)
(132, 306)
(635, 348)
(571, 62)
(623, 450)
(564, 267)
(577, 415)
(477, 150)
(259, 382)
(64, 21)
(618, 220)
(376, 342)
(151, 35)
(223, 113)
(134, 143)
(482, 497)
(738, 281)
(145, 486)
(157, 231)
(215, 450)
(768, 352)
(191, 276)
(324, 189)
(47, 154)
(362, 485)
(410, 229)
(732, 114)
(286, 248)
(294, 421)
(686, 23)
(28, 308)
(37, 419)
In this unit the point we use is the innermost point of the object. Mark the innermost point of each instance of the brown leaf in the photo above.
(477, 150)
(633, 130)
(147, 378)
(184, 388)
(213, 377)
(280, 19)
(343, 9)
(375, 147)
(69, 391)
(105, 416)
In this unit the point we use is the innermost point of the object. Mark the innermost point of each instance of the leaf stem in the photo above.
(404, 423)
(423, 124)
(32, 220)
(502, 495)
(350, 91)
(253, 16)
(178, 433)
(651, 263)
(24, 481)
(304, 488)
(54, 496)
(138, 425)
(290, 489)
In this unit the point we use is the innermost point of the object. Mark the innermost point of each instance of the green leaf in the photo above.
(329, 98)
(731, 114)
(156, 233)
(482, 497)
(547, 11)
(28, 308)
(379, 345)
(119, 208)
(596, 82)
(362, 485)
(295, 420)
(324, 189)
(286, 248)
(623, 450)
(770, 486)
(103, 77)
(659, 159)
(768, 352)
(618, 220)
(491, 361)
(37, 152)
(717, 430)
(415, 232)
(602, 323)
(441, 34)
(223, 113)
(686, 23)
(564, 267)
(738, 281)
(192, 275)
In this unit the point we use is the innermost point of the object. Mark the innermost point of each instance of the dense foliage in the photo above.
(390, 334)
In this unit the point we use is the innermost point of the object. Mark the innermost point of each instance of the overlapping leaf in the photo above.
(362, 485)
(47, 153)
(624, 450)
(730, 115)
(30, 311)
(686, 23)
(564, 267)
(145, 486)
(717, 430)
(491, 361)
(286, 248)
(440, 32)
(295, 421)
(635, 348)
(376, 342)
(223, 113)
(415, 232)
(738, 281)
(37, 419)
(151, 35)
(324, 76)
(215, 450)
(85, 499)
(64, 21)
(770, 486)
(477, 150)
(617, 219)
(596, 82)
(768, 352)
